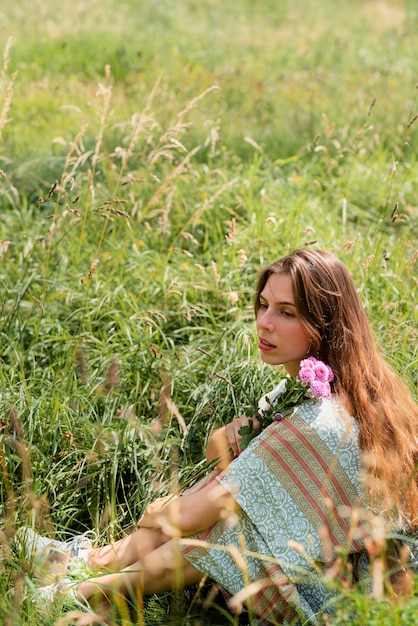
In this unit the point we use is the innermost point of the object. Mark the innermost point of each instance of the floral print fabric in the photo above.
(297, 484)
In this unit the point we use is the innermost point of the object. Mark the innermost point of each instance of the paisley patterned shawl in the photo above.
(297, 485)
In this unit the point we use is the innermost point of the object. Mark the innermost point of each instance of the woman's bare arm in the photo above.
(195, 511)
(218, 449)
(187, 514)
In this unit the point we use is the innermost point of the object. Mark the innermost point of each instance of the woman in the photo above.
(278, 513)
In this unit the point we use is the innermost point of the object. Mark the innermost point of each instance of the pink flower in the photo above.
(321, 371)
(330, 374)
(320, 389)
(307, 374)
(308, 363)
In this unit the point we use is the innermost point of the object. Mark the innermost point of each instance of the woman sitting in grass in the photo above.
(300, 502)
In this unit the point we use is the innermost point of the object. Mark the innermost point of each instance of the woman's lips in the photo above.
(265, 345)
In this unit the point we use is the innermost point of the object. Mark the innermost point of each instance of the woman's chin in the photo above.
(269, 358)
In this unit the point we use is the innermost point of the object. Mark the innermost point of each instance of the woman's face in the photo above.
(282, 338)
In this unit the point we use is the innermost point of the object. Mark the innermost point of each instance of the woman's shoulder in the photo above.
(325, 415)
(317, 411)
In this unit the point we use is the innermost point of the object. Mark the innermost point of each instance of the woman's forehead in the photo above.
(279, 289)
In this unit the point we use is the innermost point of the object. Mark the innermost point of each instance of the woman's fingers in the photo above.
(152, 510)
(232, 431)
(256, 424)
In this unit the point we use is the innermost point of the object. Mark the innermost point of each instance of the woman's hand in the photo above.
(188, 513)
(223, 444)
(152, 512)
(232, 431)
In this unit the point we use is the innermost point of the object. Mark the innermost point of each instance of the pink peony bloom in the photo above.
(321, 371)
(320, 389)
(308, 363)
(330, 374)
(306, 374)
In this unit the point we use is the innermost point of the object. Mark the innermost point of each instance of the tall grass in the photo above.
(154, 157)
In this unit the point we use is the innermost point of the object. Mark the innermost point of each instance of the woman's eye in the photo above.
(262, 305)
(287, 313)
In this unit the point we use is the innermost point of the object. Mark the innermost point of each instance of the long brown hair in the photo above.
(340, 335)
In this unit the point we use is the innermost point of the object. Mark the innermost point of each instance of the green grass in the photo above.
(221, 135)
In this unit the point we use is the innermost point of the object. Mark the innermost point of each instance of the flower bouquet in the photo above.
(313, 381)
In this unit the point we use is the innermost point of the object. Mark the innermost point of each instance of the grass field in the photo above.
(153, 156)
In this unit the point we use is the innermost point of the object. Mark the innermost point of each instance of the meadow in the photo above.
(154, 155)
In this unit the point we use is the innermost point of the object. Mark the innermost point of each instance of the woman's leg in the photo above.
(163, 569)
(132, 548)
(181, 516)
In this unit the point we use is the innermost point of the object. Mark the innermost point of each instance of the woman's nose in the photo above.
(264, 320)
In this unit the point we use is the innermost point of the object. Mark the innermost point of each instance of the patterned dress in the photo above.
(297, 485)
